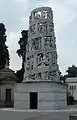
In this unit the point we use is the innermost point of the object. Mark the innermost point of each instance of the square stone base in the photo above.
(51, 95)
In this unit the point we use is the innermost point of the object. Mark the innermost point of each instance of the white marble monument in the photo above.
(41, 88)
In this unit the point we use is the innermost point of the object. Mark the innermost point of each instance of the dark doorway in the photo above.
(8, 95)
(33, 100)
(72, 117)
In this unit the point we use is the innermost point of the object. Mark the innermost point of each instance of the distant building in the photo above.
(7, 83)
(72, 86)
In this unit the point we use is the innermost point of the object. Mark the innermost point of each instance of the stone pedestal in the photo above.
(51, 95)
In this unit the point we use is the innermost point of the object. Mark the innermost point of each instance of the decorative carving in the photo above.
(28, 65)
(27, 47)
(44, 14)
(48, 42)
(42, 20)
(30, 62)
(39, 59)
(39, 76)
(32, 29)
(30, 19)
(42, 27)
(54, 73)
(51, 27)
(36, 44)
(46, 59)
(49, 75)
(54, 58)
(29, 77)
(37, 15)
(49, 14)
(43, 58)
(46, 75)
(33, 76)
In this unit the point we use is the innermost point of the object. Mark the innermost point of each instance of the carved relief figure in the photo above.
(33, 77)
(51, 27)
(48, 42)
(43, 75)
(49, 14)
(39, 75)
(49, 75)
(46, 59)
(30, 19)
(46, 75)
(36, 44)
(54, 58)
(32, 29)
(54, 73)
(42, 27)
(43, 58)
(28, 65)
(37, 15)
(44, 14)
(39, 59)
(30, 62)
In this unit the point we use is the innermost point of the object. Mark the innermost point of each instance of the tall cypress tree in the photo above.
(22, 42)
(4, 54)
(21, 53)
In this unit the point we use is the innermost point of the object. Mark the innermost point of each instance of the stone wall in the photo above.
(50, 95)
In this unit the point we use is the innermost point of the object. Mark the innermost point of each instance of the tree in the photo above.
(19, 75)
(21, 52)
(62, 77)
(72, 71)
(4, 54)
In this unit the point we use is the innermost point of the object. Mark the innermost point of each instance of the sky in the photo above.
(15, 13)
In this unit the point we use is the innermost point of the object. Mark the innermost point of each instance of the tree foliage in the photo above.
(72, 71)
(62, 77)
(4, 54)
(21, 52)
(19, 75)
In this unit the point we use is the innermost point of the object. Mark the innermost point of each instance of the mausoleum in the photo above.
(7, 84)
(41, 88)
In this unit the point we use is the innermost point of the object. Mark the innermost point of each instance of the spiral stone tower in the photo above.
(41, 88)
(41, 55)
